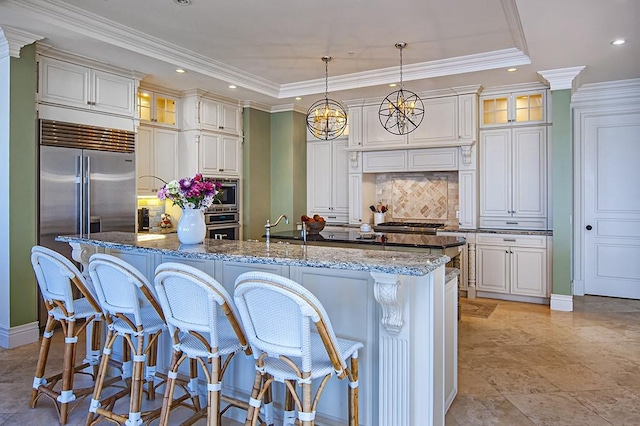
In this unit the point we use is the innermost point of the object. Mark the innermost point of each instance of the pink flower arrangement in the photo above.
(193, 193)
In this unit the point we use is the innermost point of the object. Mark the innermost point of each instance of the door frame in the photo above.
(593, 100)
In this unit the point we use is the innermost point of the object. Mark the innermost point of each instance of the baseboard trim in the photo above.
(513, 297)
(20, 335)
(561, 302)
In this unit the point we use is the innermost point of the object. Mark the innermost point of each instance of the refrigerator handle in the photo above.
(80, 186)
(88, 200)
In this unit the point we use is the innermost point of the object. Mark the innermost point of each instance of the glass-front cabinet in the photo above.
(157, 108)
(513, 108)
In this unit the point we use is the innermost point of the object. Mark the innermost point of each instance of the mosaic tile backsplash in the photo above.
(419, 197)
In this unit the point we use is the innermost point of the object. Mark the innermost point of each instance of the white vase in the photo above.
(191, 226)
(378, 218)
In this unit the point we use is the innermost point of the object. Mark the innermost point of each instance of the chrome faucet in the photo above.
(268, 225)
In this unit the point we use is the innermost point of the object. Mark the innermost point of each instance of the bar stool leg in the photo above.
(213, 392)
(170, 388)
(306, 403)
(102, 371)
(268, 407)
(39, 378)
(193, 384)
(353, 392)
(66, 395)
(254, 402)
(137, 382)
(289, 406)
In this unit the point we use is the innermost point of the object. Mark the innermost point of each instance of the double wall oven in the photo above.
(223, 219)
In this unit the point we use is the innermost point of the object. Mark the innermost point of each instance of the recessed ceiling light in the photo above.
(182, 2)
(618, 42)
(180, 71)
(512, 69)
(231, 86)
(393, 85)
(298, 98)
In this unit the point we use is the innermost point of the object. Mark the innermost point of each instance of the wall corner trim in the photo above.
(561, 302)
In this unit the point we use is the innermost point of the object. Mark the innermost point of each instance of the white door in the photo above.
(612, 205)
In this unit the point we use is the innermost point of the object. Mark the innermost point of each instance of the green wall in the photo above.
(256, 172)
(23, 178)
(562, 190)
(288, 167)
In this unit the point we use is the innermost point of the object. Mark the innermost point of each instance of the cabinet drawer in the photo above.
(433, 159)
(384, 161)
(513, 223)
(539, 241)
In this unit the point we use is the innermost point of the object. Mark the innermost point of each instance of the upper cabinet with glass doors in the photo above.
(517, 108)
(157, 108)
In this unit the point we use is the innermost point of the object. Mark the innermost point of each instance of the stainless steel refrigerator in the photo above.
(87, 182)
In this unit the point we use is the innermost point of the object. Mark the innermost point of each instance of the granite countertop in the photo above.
(354, 236)
(416, 264)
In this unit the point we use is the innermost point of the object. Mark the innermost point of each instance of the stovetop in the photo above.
(408, 227)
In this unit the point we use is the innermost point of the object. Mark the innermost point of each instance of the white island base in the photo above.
(405, 316)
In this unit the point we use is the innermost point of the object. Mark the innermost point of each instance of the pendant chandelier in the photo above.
(326, 118)
(402, 111)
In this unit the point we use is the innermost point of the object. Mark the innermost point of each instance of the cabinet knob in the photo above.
(221, 170)
(220, 127)
(589, 227)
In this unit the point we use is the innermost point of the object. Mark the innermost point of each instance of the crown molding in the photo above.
(513, 19)
(80, 21)
(257, 106)
(459, 65)
(96, 27)
(610, 93)
(514, 88)
(561, 78)
(16, 39)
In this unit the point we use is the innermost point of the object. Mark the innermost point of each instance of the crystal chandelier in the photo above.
(326, 118)
(402, 111)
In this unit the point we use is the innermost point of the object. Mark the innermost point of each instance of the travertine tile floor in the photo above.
(524, 365)
(527, 365)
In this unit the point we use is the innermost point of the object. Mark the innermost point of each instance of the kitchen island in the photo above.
(400, 306)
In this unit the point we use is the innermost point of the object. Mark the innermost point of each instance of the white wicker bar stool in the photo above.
(278, 316)
(57, 277)
(133, 313)
(204, 326)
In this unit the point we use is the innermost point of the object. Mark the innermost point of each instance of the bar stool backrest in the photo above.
(277, 314)
(193, 301)
(57, 275)
(120, 287)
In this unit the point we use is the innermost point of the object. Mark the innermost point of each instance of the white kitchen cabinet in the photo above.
(327, 180)
(78, 86)
(526, 107)
(156, 153)
(513, 178)
(210, 153)
(354, 127)
(158, 108)
(202, 113)
(447, 120)
(512, 264)
(440, 122)
(467, 180)
(355, 198)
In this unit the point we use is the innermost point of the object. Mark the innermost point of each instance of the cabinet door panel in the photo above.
(492, 268)
(384, 161)
(373, 133)
(229, 120)
(144, 159)
(529, 268)
(165, 154)
(209, 154)
(112, 93)
(64, 83)
(440, 121)
(467, 198)
(340, 166)
(229, 156)
(529, 172)
(319, 176)
(209, 114)
(355, 198)
(495, 173)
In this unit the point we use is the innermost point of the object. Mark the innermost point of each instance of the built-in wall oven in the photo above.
(222, 226)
